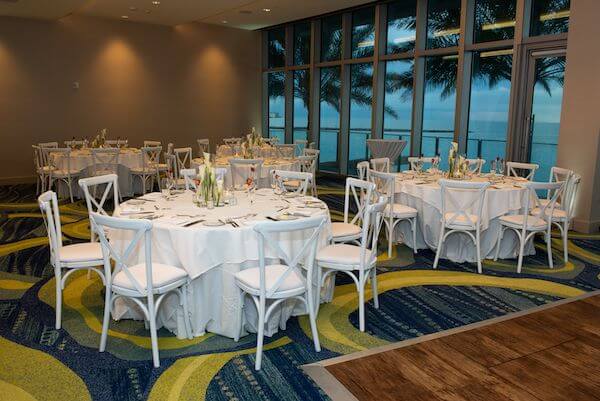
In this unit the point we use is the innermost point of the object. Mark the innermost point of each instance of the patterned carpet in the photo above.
(41, 363)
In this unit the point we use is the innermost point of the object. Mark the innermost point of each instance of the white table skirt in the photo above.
(212, 256)
(264, 176)
(81, 160)
(426, 198)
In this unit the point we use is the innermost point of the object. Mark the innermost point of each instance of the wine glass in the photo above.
(419, 166)
(493, 167)
(166, 185)
(501, 166)
(435, 163)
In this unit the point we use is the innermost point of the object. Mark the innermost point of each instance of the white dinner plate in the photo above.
(286, 217)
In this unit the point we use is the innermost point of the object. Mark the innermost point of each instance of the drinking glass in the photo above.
(419, 166)
(501, 166)
(493, 167)
(166, 185)
(435, 162)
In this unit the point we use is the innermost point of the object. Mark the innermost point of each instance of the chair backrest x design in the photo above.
(244, 169)
(183, 157)
(268, 236)
(303, 179)
(189, 175)
(558, 174)
(373, 217)
(150, 158)
(105, 161)
(463, 202)
(361, 192)
(513, 168)
(49, 208)
(141, 231)
(381, 164)
(95, 204)
(424, 159)
(546, 210)
(363, 169)
(203, 146)
(475, 165)
(286, 150)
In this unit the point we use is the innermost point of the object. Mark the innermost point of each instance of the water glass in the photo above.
(493, 167)
(166, 184)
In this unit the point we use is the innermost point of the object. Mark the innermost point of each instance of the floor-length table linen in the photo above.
(501, 198)
(212, 255)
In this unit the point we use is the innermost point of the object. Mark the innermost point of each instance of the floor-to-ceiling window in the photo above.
(428, 72)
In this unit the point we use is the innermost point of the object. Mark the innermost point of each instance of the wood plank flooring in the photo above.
(552, 354)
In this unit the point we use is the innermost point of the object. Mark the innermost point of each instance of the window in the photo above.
(302, 43)
(488, 112)
(443, 23)
(276, 87)
(276, 57)
(438, 106)
(301, 99)
(397, 111)
(331, 38)
(363, 32)
(549, 17)
(401, 26)
(329, 110)
(494, 20)
(361, 98)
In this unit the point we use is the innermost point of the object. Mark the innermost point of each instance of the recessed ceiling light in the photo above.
(224, 21)
(125, 16)
(156, 3)
(267, 10)
(132, 8)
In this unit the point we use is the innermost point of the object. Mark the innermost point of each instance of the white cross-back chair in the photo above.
(412, 161)
(105, 161)
(203, 146)
(286, 150)
(293, 181)
(116, 143)
(66, 259)
(350, 230)
(394, 213)
(281, 281)
(564, 210)
(301, 144)
(526, 225)
(189, 176)
(363, 168)
(64, 175)
(361, 258)
(528, 169)
(475, 165)
(182, 160)
(242, 169)
(42, 169)
(462, 207)
(152, 144)
(148, 170)
(48, 144)
(311, 152)
(146, 283)
(97, 204)
(381, 164)
(308, 164)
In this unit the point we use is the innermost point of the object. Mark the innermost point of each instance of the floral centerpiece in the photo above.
(209, 189)
(253, 140)
(457, 164)
(100, 139)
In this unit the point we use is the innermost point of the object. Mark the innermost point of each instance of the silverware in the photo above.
(191, 223)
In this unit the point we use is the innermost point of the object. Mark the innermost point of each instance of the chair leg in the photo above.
(260, 335)
(361, 305)
(549, 248)
(153, 334)
(439, 248)
(313, 321)
(521, 250)
(374, 287)
(390, 231)
(58, 278)
(105, 320)
(500, 235)
(70, 189)
(414, 234)
(565, 239)
(478, 247)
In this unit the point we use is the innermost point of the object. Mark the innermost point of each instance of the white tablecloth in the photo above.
(212, 256)
(81, 160)
(243, 172)
(426, 198)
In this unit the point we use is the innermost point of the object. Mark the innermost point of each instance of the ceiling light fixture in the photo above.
(125, 16)
(156, 3)
(267, 10)
(224, 21)
(132, 8)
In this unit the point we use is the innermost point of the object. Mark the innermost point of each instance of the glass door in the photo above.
(545, 89)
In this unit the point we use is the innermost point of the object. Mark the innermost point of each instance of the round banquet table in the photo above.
(213, 255)
(423, 193)
(243, 172)
(81, 160)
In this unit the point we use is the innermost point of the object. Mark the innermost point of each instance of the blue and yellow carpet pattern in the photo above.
(40, 363)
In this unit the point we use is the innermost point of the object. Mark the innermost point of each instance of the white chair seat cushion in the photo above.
(544, 202)
(292, 183)
(342, 230)
(461, 220)
(251, 278)
(557, 214)
(342, 254)
(400, 211)
(517, 221)
(81, 252)
(162, 275)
